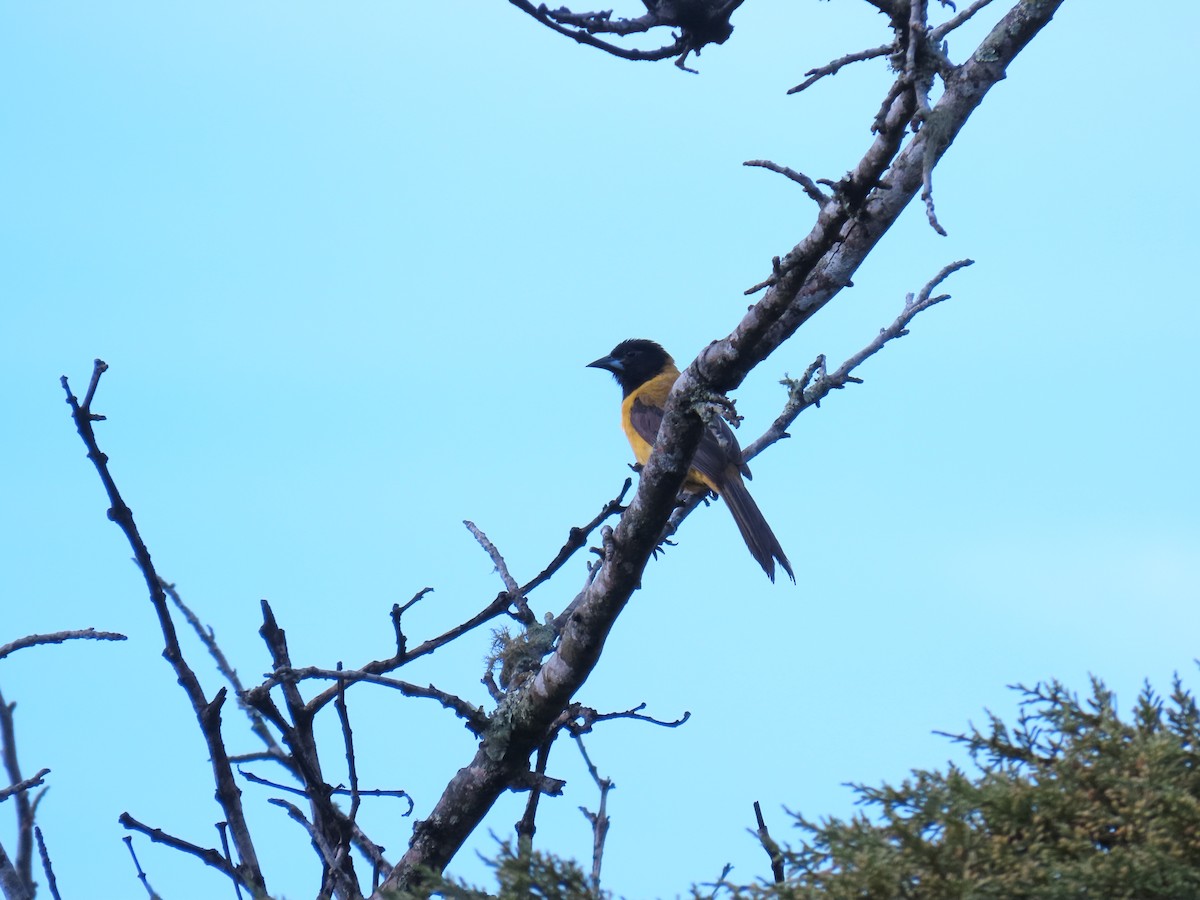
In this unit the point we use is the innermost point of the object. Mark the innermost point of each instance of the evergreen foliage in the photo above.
(1070, 802)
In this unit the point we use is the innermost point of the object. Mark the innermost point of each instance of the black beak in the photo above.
(608, 363)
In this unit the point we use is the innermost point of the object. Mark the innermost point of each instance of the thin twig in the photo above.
(526, 827)
(337, 791)
(208, 855)
(23, 785)
(815, 75)
(769, 844)
(582, 36)
(802, 394)
(524, 614)
(580, 719)
(599, 819)
(810, 186)
(348, 739)
(58, 637)
(223, 833)
(577, 538)
(475, 718)
(296, 815)
(397, 612)
(141, 874)
(207, 712)
(498, 607)
(330, 826)
(208, 637)
(47, 867)
(25, 810)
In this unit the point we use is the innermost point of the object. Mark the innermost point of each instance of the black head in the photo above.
(634, 362)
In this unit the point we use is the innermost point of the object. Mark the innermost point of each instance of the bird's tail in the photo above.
(757, 534)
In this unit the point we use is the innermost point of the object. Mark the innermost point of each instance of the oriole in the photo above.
(646, 373)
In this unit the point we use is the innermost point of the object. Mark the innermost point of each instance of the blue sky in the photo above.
(347, 265)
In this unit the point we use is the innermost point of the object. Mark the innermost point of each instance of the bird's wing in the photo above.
(645, 420)
(718, 448)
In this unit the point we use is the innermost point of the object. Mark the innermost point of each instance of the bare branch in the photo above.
(699, 24)
(332, 831)
(337, 791)
(805, 392)
(22, 874)
(23, 785)
(397, 612)
(206, 712)
(209, 638)
(348, 739)
(47, 866)
(810, 186)
(583, 36)
(579, 719)
(921, 82)
(524, 614)
(578, 538)
(526, 826)
(598, 819)
(207, 855)
(496, 608)
(769, 844)
(223, 833)
(58, 637)
(603, 22)
(510, 583)
(140, 873)
(475, 718)
(815, 75)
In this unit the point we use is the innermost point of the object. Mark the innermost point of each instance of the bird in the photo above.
(646, 373)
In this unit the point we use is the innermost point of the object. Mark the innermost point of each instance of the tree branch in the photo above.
(811, 274)
(207, 855)
(815, 75)
(576, 539)
(599, 819)
(583, 36)
(208, 714)
(810, 186)
(769, 844)
(209, 638)
(142, 877)
(47, 866)
(805, 393)
(23, 785)
(475, 718)
(58, 637)
(22, 868)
